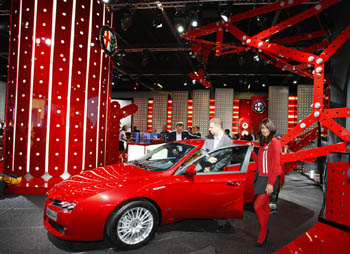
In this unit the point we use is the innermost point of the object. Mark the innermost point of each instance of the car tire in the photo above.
(132, 225)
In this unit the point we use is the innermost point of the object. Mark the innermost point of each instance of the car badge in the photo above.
(108, 40)
(259, 107)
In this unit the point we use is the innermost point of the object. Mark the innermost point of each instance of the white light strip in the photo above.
(31, 85)
(87, 84)
(16, 95)
(50, 85)
(107, 102)
(99, 98)
(71, 51)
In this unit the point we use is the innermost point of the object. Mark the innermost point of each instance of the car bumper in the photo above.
(82, 224)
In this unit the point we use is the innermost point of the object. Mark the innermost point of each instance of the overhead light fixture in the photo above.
(193, 81)
(263, 85)
(105, 1)
(225, 15)
(180, 28)
(256, 58)
(180, 22)
(185, 83)
(157, 21)
(194, 18)
(295, 81)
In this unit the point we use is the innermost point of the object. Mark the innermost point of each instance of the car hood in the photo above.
(99, 180)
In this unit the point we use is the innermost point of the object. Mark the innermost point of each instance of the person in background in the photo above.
(196, 131)
(267, 178)
(179, 133)
(227, 133)
(122, 142)
(134, 129)
(189, 129)
(234, 136)
(164, 133)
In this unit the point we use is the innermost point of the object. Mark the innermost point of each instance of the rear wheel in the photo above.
(132, 225)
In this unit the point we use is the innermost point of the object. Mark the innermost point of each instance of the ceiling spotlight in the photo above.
(105, 1)
(263, 85)
(180, 22)
(194, 18)
(185, 83)
(295, 81)
(256, 58)
(225, 15)
(157, 21)
(194, 81)
(180, 28)
(225, 84)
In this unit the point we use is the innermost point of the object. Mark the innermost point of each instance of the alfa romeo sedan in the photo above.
(126, 202)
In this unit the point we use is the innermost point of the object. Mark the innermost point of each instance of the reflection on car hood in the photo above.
(96, 181)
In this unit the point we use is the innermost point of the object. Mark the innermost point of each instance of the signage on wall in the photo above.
(108, 40)
(259, 107)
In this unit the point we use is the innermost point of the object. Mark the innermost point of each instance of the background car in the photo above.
(126, 202)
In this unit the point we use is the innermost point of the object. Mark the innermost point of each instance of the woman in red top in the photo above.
(268, 174)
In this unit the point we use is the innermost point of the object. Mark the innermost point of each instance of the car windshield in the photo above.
(163, 157)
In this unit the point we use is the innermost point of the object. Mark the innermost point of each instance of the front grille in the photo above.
(66, 206)
(57, 226)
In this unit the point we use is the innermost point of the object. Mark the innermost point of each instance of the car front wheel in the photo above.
(132, 225)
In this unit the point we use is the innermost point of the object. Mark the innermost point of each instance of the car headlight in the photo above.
(64, 205)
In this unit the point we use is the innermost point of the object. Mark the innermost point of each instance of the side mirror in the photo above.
(191, 170)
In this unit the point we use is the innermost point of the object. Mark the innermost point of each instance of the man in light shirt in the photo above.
(216, 140)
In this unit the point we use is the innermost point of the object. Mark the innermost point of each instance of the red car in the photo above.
(126, 202)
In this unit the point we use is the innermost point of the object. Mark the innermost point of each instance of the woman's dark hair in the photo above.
(271, 127)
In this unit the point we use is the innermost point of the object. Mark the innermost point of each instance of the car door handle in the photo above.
(233, 184)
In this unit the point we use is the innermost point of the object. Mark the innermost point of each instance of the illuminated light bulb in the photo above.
(302, 125)
(317, 105)
(311, 59)
(244, 38)
(319, 69)
(318, 7)
(249, 41)
(260, 44)
(317, 114)
(319, 61)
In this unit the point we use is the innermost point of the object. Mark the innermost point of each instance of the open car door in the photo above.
(205, 190)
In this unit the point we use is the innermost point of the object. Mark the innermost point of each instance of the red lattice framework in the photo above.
(273, 52)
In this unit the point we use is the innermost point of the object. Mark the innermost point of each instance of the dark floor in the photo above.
(21, 229)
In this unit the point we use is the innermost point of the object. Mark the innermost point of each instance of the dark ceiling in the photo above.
(150, 58)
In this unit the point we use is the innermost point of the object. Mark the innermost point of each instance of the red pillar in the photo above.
(59, 88)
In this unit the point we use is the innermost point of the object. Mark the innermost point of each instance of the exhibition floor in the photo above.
(22, 231)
